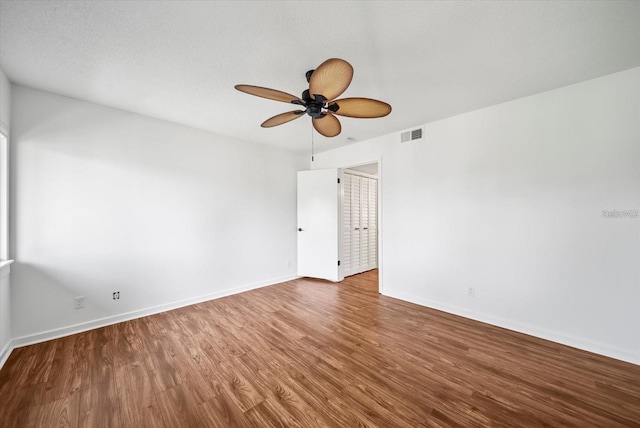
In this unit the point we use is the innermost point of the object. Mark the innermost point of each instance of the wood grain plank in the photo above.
(136, 398)
(59, 414)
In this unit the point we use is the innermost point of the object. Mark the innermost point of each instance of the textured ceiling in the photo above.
(179, 60)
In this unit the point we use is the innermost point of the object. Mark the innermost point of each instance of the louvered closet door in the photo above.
(360, 228)
(364, 223)
(373, 225)
(345, 262)
(355, 224)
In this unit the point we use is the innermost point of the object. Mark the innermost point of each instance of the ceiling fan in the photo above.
(326, 83)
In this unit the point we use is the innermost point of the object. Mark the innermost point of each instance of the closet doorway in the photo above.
(359, 219)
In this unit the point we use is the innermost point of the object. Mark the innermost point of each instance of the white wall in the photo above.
(106, 200)
(5, 281)
(5, 103)
(509, 200)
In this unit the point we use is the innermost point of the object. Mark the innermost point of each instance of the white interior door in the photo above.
(318, 213)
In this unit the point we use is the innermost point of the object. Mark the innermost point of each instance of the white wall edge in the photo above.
(4, 354)
(597, 348)
(5, 267)
(103, 322)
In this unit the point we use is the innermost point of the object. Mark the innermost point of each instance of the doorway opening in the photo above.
(359, 220)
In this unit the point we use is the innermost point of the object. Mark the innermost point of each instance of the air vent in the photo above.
(415, 134)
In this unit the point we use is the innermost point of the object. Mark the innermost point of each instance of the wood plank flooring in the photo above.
(309, 353)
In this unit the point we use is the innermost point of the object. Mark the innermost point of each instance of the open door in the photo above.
(318, 214)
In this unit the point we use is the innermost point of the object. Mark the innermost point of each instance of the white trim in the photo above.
(4, 267)
(5, 179)
(6, 351)
(348, 171)
(563, 339)
(102, 322)
(359, 173)
(380, 226)
(5, 270)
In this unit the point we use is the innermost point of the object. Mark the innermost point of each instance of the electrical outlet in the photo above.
(78, 302)
(471, 291)
(116, 295)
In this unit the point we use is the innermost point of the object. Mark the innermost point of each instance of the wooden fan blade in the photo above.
(331, 78)
(281, 118)
(270, 94)
(328, 125)
(364, 108)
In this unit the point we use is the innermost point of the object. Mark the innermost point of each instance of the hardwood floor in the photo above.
(311, 353)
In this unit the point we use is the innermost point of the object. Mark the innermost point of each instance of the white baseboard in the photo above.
(114, 319)
(6, 351)
(563, 339)
(605, 350)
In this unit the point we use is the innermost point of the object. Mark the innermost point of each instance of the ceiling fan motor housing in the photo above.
(314, 105)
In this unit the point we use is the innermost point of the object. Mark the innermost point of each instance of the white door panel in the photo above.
(318, 232)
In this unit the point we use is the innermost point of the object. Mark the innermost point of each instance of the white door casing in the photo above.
(359, 223)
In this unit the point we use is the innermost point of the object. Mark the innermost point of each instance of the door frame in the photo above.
(343, 173)
(379, 217)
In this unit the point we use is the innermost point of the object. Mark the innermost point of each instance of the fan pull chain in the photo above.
(312, 160)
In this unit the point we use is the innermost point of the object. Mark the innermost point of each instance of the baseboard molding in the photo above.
(114, 319)
(600, 349)
(6, 351)
(596, 348)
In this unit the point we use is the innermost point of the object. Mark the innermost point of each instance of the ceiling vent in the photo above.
(413, 135)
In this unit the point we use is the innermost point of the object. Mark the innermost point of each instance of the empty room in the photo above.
(319, 214)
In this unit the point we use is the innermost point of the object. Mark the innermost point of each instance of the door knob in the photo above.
(299, 229)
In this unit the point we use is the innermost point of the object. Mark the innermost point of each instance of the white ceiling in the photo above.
(179, 60)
